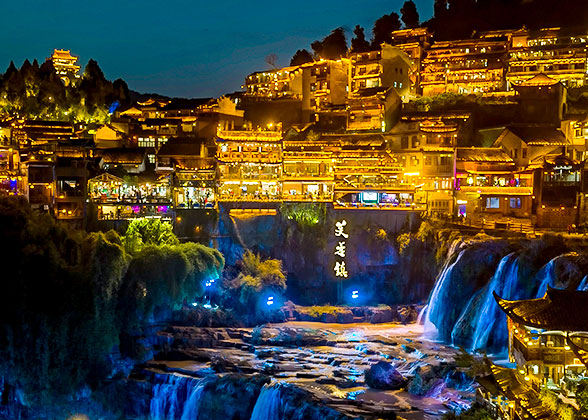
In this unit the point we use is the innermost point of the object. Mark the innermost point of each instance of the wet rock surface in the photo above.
(328, 362)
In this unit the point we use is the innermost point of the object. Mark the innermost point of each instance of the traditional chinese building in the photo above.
(192, 166)
(465, 66)
(249, 164)
(560, 55)
(540, 331)
(308, 172)
(65, 66)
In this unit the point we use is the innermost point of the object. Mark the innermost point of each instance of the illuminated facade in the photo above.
(308, 170)
(65, 66)
(277, 83)
(465, 66)
(249, 164)
(191, 164)
(550, 51)
(545, 335)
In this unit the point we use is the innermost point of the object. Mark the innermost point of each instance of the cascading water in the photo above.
(482, 318)
(583, 286)
(177, 397)
(268, 404)
(435, 306)
(546, 277)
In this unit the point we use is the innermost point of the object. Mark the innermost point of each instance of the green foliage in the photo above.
(562, 410)
(35, 91)
(306, 215)
(68, 298)
(256, 278)
(142, 232)
(582, 397)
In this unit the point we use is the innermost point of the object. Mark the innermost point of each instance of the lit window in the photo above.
(492, 203)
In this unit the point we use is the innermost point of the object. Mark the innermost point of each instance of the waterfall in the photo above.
(482, 317)
(422, 315)
(436, 306)
(268, 404)
(583, 287)
(177, 397)
(546, 277)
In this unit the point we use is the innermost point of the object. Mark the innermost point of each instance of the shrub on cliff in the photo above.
(143, 232)
(68, 298)
(256, 281)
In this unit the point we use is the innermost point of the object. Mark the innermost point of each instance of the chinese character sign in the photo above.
(341, 250)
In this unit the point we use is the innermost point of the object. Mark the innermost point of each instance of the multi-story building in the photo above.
(373, 109)
(465, 66)
(324, 88)
(285, 82)
(249, 164)
(308, 169)
(389, 67)
(544, 335)
(65, 66)
(191, 164)
(552, 51)
(414, 42)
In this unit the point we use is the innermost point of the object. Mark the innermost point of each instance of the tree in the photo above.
(358, 42)
(301, 57)
(141, 232)
(383, 28)
(410, 15)
(333, 46)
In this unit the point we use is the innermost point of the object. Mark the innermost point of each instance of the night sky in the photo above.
(181, 48)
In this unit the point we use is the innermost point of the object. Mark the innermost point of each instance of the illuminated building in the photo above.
(41, 132)
(488, 183)
(192, 166)
(507, 395)
(389, 67)
(108, 136)
(465, 66)
(277, 83)
(540, 331)
(414, 42)
(324, 88)
(551, 51)
(65, 66)
(367, 175)
(425, 145)
(373, 109)
(249, 164)
(40, 171)
(308, 170)
(11, 180)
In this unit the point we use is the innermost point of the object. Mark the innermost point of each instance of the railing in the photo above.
(498, 190)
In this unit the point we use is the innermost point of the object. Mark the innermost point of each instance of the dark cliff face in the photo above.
(307, 252)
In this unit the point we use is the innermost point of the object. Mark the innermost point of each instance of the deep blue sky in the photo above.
(180, 47)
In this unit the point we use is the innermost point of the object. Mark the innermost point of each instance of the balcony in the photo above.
(498, 190)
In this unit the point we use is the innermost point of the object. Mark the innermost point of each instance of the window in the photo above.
(492, 203)
(515, 153)
(415, 141)
(515, 203)
(151, 158)
(524, 153)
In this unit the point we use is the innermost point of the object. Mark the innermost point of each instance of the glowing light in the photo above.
(340, 269)
(270, 301)
(355, 294)
(339, 229)
(340, 249)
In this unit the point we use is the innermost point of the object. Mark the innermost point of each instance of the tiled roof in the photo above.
(562, 310)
